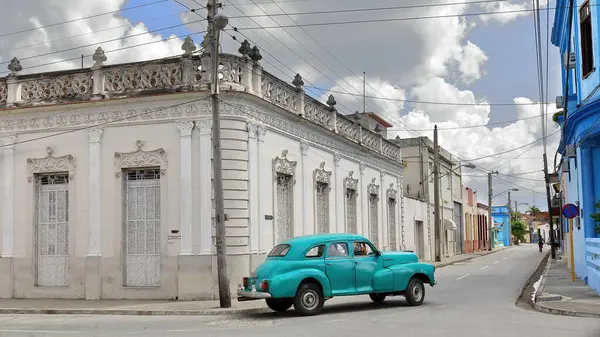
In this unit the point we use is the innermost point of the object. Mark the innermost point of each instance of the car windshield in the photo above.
(279, 251)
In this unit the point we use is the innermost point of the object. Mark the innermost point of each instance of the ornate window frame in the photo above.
(282, 165)
(51, 164)
(321, 175)
(141, 158)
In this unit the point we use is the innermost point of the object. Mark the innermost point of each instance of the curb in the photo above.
(553, 311)
(174, 312)
(530, 279)
(132, 312)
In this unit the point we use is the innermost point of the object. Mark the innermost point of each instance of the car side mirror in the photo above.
(378, 253)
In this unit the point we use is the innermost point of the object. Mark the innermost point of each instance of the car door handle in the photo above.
(329, 264)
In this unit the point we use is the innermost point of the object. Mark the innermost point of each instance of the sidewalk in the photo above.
(158, 307)
(558, 294)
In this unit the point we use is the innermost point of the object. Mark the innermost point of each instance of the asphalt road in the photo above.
(473, 299)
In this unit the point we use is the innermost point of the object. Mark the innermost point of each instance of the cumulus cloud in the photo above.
(428, 60)
(513, 10)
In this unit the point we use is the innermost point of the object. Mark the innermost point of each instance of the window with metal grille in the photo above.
(587, 42)
(285, 206)
(322, 207)
(52, 229)
(351, 223)
(374, 218)
(142, 227)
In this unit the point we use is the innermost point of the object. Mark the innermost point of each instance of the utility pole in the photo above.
(509, 221)
(364, 92)
(490, 219)
(216, 24)
(436, 195)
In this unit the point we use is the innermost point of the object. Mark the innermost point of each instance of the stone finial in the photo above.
(245, 49)
(255, 54)
(377, 128)
(99, 58)
(331, 102)
(298, 82)
(14, 66)
(188, 46)
(397, 137)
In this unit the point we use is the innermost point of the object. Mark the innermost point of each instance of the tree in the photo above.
(533, 210)
(519, 229)
(596, 218)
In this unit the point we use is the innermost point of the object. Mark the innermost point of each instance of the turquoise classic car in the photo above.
(307, 270)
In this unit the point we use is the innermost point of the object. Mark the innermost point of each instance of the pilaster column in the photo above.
(94, 193)
(400, 233)
(253, 177)
(9, 197)
(185, 186)
(262, 183)
(339, 198)
(205, 128)
(305, 174)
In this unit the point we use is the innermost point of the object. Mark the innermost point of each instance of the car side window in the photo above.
(338, 249)
(316, 252)
(363, 249)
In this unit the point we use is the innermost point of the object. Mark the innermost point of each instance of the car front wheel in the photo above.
(415, 292)
(279, 305)
(309, 300)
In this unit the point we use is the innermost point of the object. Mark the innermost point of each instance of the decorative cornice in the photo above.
(321, 175)
(185, 128)
(95, 135)
(9, 141)
(351, 183)
(284, 166)
(70, 120)
(140, 158)
(50, 164)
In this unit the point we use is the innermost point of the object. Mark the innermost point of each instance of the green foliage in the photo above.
(596, 218)
(533, 210)
(519, 229)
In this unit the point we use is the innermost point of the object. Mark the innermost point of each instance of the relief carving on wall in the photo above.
(351, 183)
(391, 192)
(50, 164)
(284, 165)
(141, 158)
(321, 175)
(373, 188)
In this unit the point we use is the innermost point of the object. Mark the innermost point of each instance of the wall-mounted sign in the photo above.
(268, 217)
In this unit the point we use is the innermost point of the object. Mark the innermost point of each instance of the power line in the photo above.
(100, 42)
(315, 24)
(113, 50)
(84, 18)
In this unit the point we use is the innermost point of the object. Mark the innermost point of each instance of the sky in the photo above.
(474, 76)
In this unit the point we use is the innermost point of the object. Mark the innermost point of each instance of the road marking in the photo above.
(505, 258)
(43, 331)
(483, 267)
(496, 262)
(462, 277)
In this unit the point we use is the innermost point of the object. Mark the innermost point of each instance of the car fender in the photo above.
(286, 285)
(404, 272)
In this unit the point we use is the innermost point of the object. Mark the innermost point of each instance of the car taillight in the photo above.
(264, 285)
(245, 282)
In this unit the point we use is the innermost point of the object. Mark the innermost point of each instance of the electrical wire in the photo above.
(84, 18)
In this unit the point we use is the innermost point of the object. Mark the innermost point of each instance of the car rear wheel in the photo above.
(309, 299)
(415, 292)
(278, 304)
(377, 298)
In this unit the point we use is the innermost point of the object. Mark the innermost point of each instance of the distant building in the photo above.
(501, 217)
(483, 228)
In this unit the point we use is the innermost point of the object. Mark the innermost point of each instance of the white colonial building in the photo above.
(107, 175)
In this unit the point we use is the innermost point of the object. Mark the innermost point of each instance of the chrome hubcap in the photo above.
(417, 293)
(310, 299)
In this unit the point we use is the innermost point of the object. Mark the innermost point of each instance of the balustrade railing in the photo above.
(188, 72)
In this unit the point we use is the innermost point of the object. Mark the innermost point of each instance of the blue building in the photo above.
(501, 226)
(575, 33)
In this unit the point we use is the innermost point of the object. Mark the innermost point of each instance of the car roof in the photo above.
(307, 240)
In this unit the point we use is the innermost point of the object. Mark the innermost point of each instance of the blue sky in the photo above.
(144, 14)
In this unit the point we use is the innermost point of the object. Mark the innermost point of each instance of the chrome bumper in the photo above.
(252, 294)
